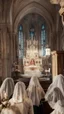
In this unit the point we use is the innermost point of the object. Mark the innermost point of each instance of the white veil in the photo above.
(54, 96)
(35, 91)
(59, 106)
(7, 88)
(19, 92)
(34, 81)
(58, 83)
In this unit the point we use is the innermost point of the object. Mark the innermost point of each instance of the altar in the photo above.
(34, 65)
(32, 62)
(44, 81)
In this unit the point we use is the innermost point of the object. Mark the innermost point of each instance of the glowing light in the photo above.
(48, 51)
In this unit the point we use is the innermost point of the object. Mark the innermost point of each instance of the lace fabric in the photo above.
(7, 88)
(59, 106)
(20, 100)
(19, 92)
(55, 91)
(35, 91)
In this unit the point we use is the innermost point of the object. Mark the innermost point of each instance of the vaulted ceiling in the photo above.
(13, 11)
(42, 7)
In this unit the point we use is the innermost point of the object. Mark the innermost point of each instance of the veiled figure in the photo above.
(35, 91)
(55, 91)
(58, 82)
(20, 100)
(54, 96)
(7, 88)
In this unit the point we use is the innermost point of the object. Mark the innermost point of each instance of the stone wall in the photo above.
(11, 13)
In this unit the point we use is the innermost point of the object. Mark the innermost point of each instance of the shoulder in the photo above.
(6, 111)
(28, 101)
(11, 101)
(11, 110)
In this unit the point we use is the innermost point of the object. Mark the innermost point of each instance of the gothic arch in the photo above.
(34, 8)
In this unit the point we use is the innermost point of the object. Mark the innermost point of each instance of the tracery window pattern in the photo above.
(43, 39)
(32, 35)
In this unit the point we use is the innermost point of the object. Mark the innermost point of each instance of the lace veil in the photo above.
(7, 88)
(55, 91)
(35, 91)
(19, 92)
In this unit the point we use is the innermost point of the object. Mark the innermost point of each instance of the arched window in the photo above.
(43, 39)
(21, 42)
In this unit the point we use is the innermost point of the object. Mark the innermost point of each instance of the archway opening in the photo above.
(32, 41)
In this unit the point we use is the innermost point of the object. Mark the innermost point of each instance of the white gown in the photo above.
(20, 99)
(35, 91)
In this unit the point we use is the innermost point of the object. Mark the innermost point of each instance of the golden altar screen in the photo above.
(32, 63)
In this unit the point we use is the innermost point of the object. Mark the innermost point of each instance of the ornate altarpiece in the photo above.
(32, 63)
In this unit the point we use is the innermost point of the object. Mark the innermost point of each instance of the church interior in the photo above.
(32, 56)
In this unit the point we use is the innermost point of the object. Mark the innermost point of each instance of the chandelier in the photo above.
(61, 11)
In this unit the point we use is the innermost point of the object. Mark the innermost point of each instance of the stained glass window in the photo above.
(43, 39)
(21, 42)
(32, 31)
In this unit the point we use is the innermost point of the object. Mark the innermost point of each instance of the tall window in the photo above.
(43, 39)
(21, 42)
(32, 31)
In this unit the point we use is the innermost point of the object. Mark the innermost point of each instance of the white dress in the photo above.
(24, 107)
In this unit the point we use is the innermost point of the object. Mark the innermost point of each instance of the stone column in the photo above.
(62, 40)
(4, 51)
(0, 54)
(8, 50)
(15, 46)
(13, 49)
